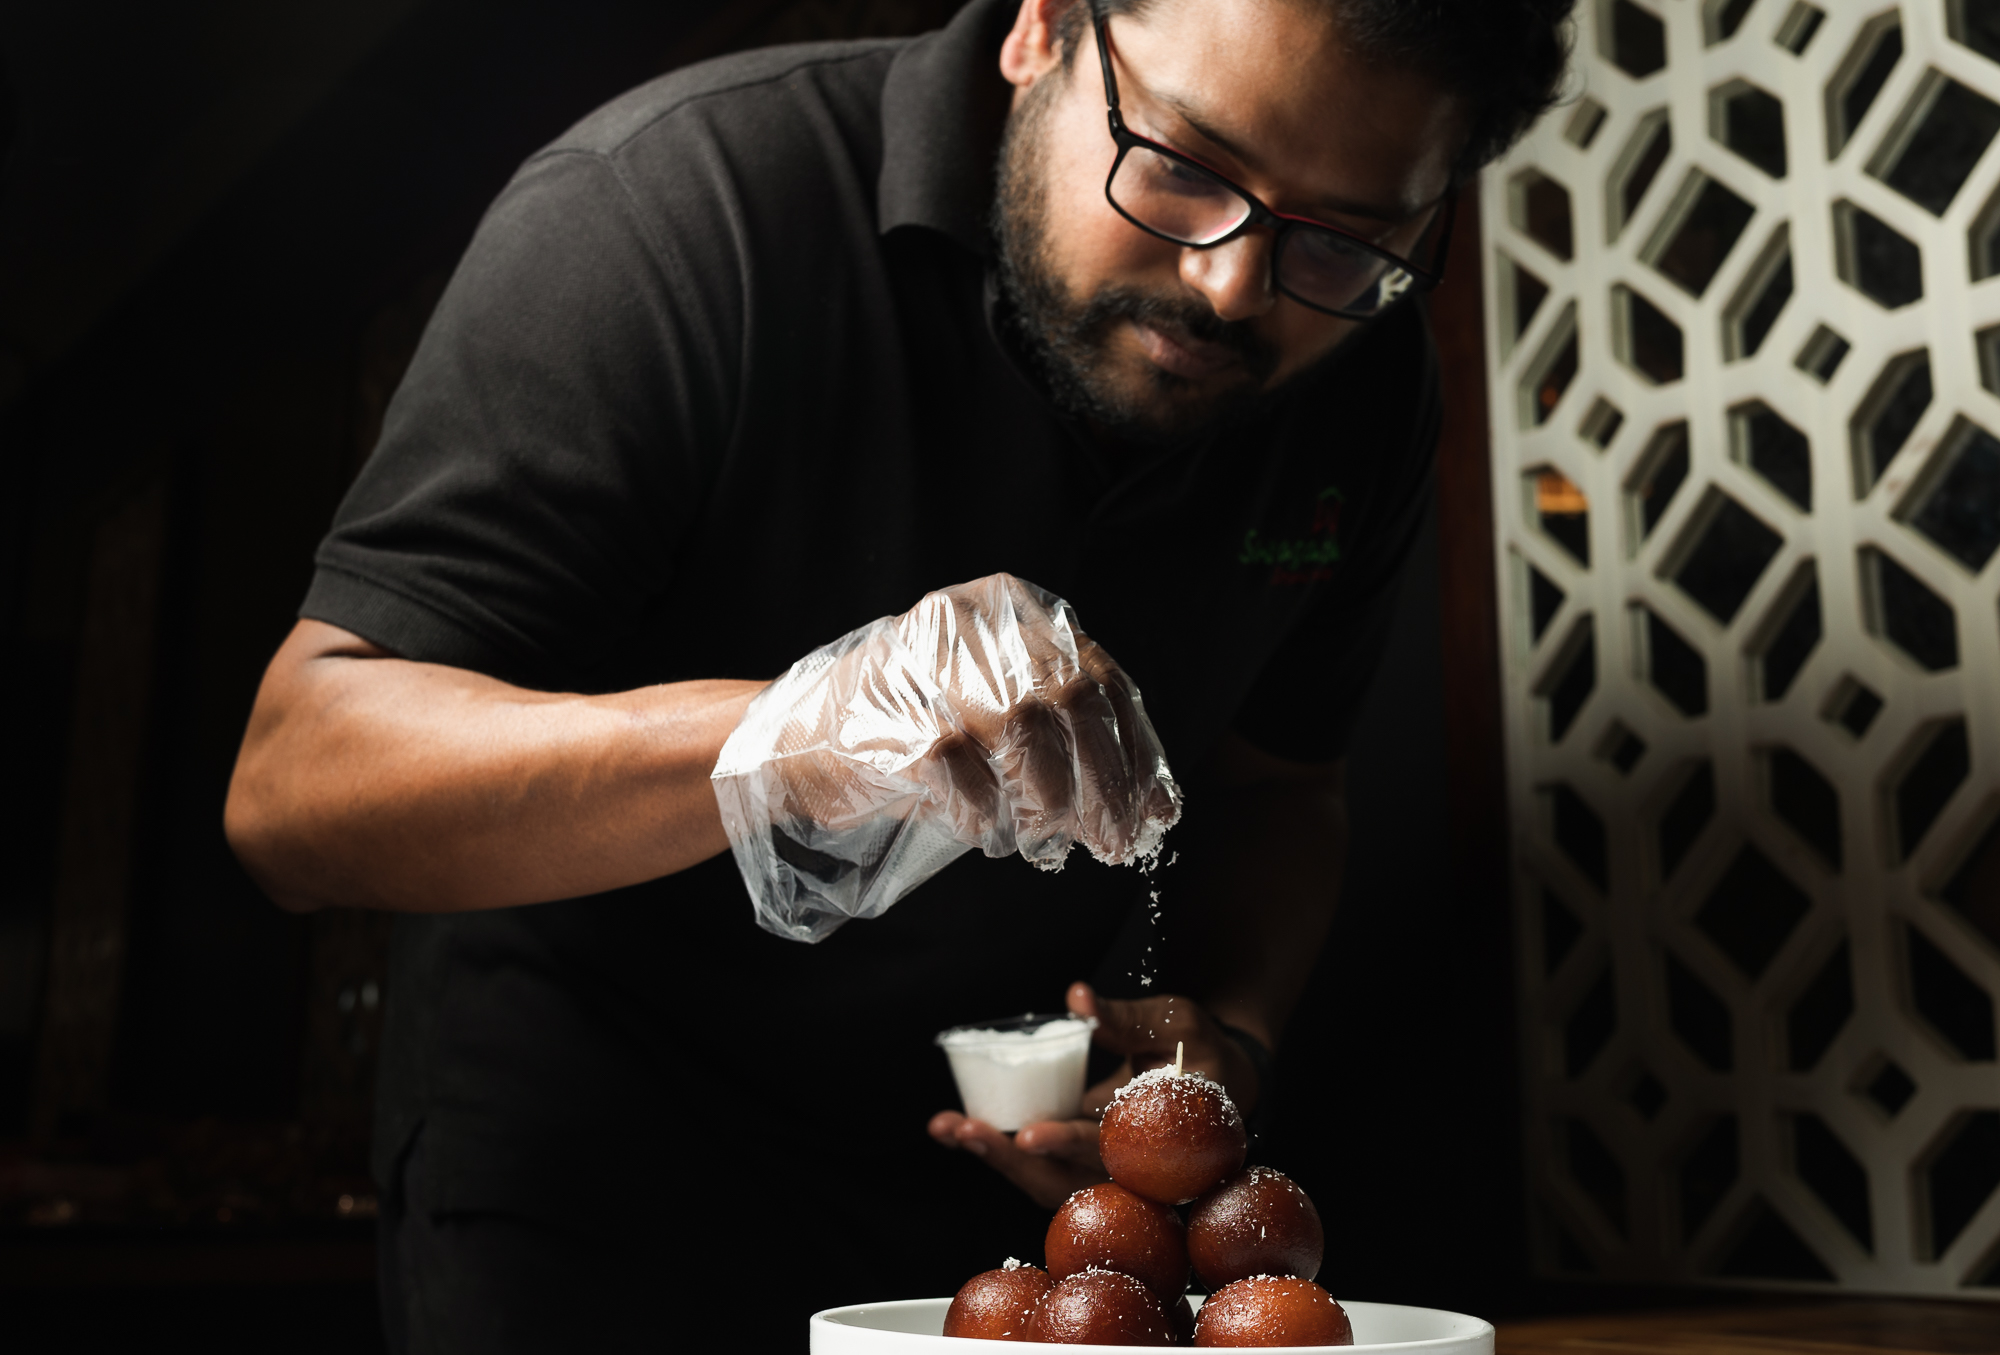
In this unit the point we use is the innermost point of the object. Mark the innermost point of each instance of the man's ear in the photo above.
(1032, 49)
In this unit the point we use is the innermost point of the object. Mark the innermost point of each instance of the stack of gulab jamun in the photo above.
(1120, 1254)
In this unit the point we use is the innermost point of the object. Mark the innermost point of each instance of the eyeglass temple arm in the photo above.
(1104, 60)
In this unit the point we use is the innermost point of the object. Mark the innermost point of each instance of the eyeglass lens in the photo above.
(1181, 202)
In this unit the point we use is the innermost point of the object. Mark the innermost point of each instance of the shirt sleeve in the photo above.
(549, 446)
(1305, 701)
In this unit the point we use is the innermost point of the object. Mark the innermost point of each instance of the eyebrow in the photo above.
(1345, 207)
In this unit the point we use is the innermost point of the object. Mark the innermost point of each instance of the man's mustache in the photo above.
(1171, 315)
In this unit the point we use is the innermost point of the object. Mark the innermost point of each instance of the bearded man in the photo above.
(1111, 305)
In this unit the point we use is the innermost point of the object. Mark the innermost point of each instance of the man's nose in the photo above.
(1235, 278)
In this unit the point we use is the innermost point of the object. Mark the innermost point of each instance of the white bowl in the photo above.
(915, 1327)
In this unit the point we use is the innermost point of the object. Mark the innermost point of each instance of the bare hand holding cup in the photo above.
(1052, 1159)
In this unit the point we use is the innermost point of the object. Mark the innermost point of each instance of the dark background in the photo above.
(221, 228)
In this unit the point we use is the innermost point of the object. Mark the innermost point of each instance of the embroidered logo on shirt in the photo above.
(1300, 559)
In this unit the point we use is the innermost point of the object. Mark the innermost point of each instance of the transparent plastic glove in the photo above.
(982, 717)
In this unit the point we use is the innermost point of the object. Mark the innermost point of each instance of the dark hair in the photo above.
(1507, 56)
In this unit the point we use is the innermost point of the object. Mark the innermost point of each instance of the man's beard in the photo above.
(1068, 341)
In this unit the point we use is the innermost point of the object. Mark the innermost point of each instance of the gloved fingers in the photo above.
(929, 633)
(825, 756)
(1134, 731)
(1157, 798)
(983, 708)
(818, 789)
(833, 792)
(974, 655)
(1003, 639)
(1047, 630)
(1037, 771)
(1107, 799)
(966, 793)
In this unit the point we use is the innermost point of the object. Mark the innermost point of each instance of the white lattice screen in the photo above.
(1745, 346)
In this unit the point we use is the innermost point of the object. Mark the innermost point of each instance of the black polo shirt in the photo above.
(715, 383)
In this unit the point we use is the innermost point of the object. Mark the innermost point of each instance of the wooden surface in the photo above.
(1846, 1327)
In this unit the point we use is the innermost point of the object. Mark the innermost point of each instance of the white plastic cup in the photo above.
(1018, 1071)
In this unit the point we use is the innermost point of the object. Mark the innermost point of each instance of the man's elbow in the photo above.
(256, 830)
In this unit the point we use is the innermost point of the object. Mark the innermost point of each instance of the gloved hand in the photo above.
(982, 717)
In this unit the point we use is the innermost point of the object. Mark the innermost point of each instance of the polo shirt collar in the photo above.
(943, 106)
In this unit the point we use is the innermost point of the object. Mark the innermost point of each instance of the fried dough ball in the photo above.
(1102, 1308)
(1272, 1310)
(1109, 1227)
(1171, 1136)
(1258, 1222)
(998, 1305)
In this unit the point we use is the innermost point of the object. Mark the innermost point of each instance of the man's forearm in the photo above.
(371, 781)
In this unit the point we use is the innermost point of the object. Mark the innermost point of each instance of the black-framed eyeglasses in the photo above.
(1179, 199)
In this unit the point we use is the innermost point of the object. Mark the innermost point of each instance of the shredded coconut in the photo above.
(1095, 1269)
(1165, 1074)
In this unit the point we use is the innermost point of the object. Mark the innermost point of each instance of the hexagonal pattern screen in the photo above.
(1743, 299)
